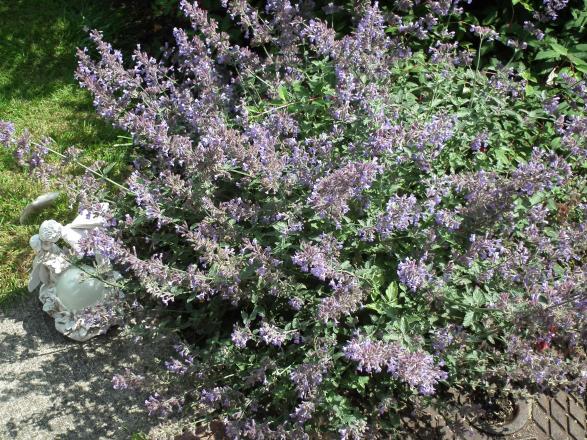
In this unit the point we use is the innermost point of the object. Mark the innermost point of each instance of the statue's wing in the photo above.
(73, 232)
(35, 279)
(88, 221)
(83, 222)
(72, 236)
(38, 205)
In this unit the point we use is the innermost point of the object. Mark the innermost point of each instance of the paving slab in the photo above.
(559, 417)
(53, 388)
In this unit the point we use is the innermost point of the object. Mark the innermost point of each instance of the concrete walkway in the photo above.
(55, 388)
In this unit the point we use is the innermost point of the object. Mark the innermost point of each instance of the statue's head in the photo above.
(50, 231)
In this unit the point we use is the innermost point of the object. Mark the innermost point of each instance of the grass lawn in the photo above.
(38, 40)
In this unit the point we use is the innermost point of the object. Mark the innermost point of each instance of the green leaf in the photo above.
(478, 297)
(536, 198)
(524, 3)
(559, 49)
(576, 61)
(547, 55)
(362, 381)
(469, 317)
(282, 92)
(375, 307)
(109, 168)
(501, 157)
(391, 293)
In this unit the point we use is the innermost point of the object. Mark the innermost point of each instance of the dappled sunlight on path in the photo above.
(52, 387)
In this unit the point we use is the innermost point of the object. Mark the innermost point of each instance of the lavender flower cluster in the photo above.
(415, 368)
(401, 212)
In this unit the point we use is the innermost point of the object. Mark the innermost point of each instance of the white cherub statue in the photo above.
(82, 304)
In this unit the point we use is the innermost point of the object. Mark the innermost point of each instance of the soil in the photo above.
(496, 407)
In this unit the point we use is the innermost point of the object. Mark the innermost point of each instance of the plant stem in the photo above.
(88, 169)
(479, 55)
(476, 72)
(95, 275)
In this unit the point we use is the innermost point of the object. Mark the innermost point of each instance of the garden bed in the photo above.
(342, 240)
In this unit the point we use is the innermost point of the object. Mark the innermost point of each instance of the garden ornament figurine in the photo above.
(82, 303)
(37, 205)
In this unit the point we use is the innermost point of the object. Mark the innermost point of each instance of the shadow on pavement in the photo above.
(55, 388)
